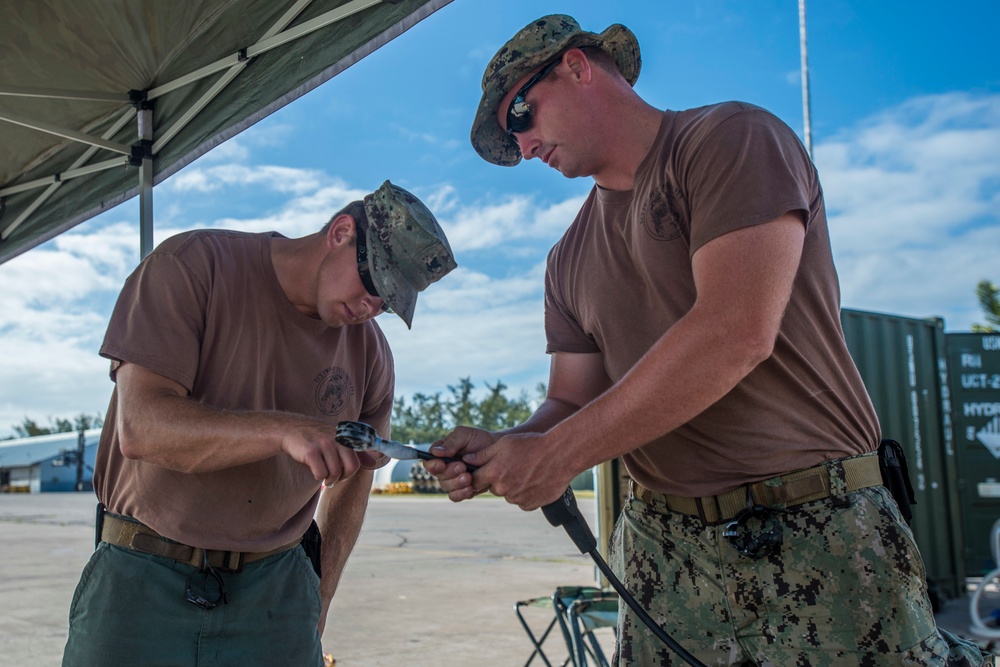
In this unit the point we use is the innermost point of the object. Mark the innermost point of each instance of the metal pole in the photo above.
(804, 52)
(145, 117)
(81, 444)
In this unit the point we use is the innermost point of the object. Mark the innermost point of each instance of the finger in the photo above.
(349, 461)
(446, 448)
(481, 457)
(463, 481)
(465, 493)
(334, 470)
(454, 442)
(317, 465)
(445, 470)
(372, 460)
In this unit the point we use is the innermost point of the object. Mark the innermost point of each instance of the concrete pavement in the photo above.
(430, 582)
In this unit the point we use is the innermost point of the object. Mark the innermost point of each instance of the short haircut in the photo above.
(601, 58)
(356, 209)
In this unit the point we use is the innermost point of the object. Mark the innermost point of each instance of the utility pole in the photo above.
(804, 53)
(81, 443)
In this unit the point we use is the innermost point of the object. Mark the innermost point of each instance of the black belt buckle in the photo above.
(740, 531)
(210, 574)
(227, 561)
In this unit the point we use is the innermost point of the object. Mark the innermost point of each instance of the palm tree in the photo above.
(988, 296)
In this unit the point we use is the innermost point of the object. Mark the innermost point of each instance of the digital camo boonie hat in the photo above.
(407, 251)
(537, 43)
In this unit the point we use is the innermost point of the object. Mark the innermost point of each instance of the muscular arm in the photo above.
(743, 281)
(339, 516)
(158, 423)
(574, 381)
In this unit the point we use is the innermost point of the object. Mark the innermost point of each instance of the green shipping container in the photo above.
(902, 362)
(974, 371)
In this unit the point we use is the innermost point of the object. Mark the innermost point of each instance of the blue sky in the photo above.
(906, 135)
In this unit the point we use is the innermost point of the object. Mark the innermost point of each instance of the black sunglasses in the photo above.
(519, 111)
(364, 269)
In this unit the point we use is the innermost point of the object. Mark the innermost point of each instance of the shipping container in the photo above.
(902, 362)
(974, 372)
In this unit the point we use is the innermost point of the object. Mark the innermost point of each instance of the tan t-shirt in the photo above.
(621, 276)
(205, 309)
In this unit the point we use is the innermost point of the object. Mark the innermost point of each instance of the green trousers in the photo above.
(846, 586)
(131, 609)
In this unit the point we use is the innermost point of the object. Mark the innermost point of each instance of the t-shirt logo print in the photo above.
(333, 390)
(659, 216)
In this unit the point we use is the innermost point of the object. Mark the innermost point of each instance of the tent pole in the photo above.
(145, 116)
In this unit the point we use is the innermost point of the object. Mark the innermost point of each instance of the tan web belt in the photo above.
(130, 534)
(795, 488)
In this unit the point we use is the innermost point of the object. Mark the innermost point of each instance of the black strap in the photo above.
(312, 544)
(896, 476)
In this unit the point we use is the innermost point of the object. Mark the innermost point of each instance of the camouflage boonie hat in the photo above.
(537, 43)
(407, 251)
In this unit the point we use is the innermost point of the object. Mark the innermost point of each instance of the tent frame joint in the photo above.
(141, 150)
(140, 99)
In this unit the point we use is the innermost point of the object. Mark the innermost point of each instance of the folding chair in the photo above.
(579, 611)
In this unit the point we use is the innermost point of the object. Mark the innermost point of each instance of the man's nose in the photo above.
(371, 305)
(527, 144)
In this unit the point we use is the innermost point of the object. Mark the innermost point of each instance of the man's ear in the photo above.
(341, 230)
(579, 65)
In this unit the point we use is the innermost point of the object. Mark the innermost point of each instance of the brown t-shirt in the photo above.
(205, 309)
(621, 276)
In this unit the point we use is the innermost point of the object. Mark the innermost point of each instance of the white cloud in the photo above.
(288, 180)
(912, 196)
(516, 218)
(472, 325)
(912, 193)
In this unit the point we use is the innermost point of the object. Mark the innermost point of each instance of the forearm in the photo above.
(179, 433)
(547, 415)
(340, 515)
(690, 368)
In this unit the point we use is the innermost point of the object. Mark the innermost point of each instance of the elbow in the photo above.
(756, 347)
(130, 442)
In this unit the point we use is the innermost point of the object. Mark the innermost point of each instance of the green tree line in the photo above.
(30, 428)
(988, 296)
(429, 417)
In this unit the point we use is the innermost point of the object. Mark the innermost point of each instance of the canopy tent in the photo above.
(102, 99)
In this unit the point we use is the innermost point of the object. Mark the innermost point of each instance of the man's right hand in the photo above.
(317, 448)
(455, 478)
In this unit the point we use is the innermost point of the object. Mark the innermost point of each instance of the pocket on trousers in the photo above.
(936, 649)
(85, 576)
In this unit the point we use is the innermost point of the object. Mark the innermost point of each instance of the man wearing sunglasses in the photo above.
(692, 317)
(234, 357)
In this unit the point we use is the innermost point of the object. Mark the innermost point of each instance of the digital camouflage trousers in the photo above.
(846, 586)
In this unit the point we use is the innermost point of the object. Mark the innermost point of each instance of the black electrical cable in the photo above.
(564, 512)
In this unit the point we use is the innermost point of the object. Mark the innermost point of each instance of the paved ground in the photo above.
(430, 583)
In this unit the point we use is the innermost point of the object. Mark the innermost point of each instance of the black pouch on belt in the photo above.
(312, 544)
(896, 476)
(99, 524)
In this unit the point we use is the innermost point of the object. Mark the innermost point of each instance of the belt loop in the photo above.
(699, 503)
(837, 479)
(233, 561)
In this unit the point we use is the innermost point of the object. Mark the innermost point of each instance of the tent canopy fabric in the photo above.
(102, 99)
